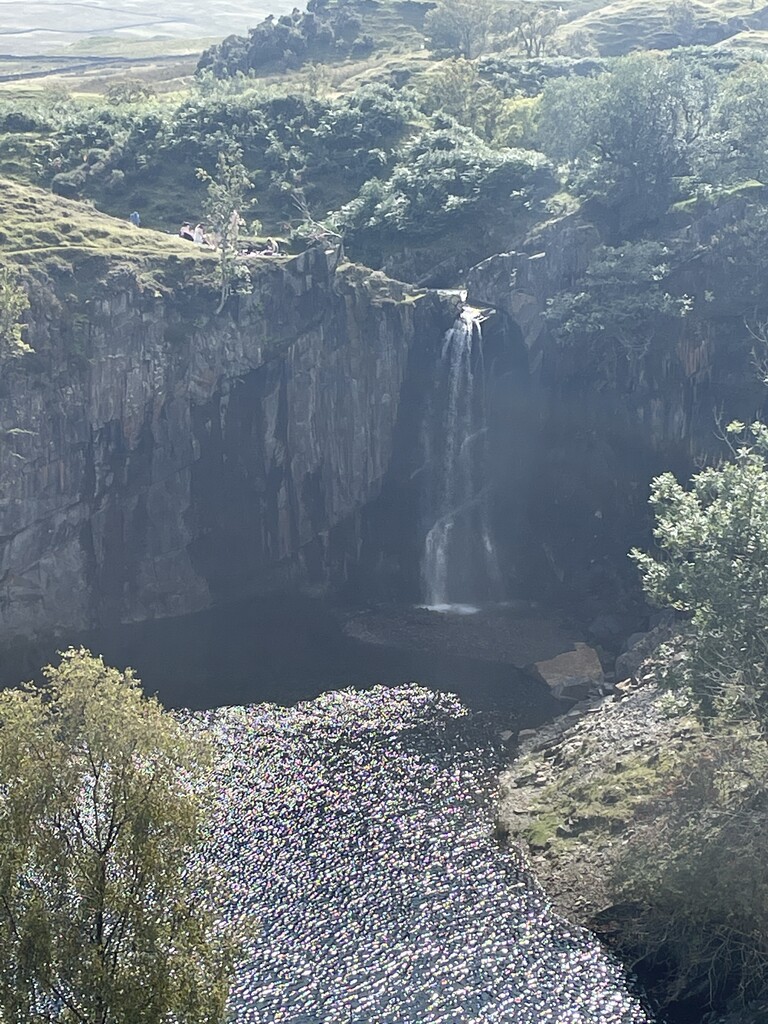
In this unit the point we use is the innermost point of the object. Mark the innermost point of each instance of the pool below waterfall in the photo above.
(358, 830)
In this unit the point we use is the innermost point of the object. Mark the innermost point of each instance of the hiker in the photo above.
(135, 219)
(185, 232)
(271, 248)
(198, 236)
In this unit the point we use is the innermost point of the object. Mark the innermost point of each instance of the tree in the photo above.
(227, 192)
(713, 565)
(457, 89)
(460, 26)
(313, 231)
(445, 177)
(630, 134)
(106, 914)
(579, 42)
(534, 26)
(681, 18)
(13, 304)
(739, 146)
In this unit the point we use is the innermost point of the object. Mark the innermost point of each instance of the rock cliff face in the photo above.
(156, 459)
(598, 428)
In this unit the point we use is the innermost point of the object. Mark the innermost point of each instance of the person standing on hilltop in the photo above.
(135, 219)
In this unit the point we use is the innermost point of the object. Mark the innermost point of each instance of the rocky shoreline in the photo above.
(571, 800)
(546, 800)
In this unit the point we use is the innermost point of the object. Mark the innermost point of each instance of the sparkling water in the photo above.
(357, 828)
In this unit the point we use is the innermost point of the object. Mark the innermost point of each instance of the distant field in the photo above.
(58, 27)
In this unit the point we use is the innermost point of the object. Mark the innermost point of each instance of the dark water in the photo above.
(283, 649)
(358, 831)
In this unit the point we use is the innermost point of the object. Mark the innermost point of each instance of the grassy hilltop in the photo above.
(361, 118)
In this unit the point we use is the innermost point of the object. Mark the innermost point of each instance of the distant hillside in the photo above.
(326, 32)
(622, 26)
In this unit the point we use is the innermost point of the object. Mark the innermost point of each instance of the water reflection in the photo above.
(358, 830)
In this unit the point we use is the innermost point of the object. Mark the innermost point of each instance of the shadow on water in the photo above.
(283, 649)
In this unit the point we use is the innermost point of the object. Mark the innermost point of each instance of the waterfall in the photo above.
(459, 565)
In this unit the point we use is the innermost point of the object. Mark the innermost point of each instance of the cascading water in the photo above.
(459, 566)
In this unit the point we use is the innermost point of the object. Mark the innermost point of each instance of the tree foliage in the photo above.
(683, 20)
(106, 916)
(14, 302)
(694, 869)
(713, 566)
(325, 148)
(224, 206)
(458, 89)
(441, 178)
(738, 142)
(620, 303)
(534, 26)
(630, 134)
(467, 29)
(460, 27)
(319, 33)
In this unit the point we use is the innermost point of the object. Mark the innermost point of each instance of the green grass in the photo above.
(45, 233)
(625, 25)
(55, 239)
(395, 26)
(582, 806)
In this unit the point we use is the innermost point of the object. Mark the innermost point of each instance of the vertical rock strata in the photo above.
(156, 459)
(609, 411)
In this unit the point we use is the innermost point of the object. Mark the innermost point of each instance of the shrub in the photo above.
(69, 183)
(442, 176)
(712, 565)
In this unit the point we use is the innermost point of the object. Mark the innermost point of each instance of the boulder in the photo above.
(572, 675)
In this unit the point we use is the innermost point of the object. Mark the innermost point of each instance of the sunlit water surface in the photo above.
(358, 829)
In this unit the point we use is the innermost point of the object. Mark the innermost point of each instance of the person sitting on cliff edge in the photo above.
(185, 232)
